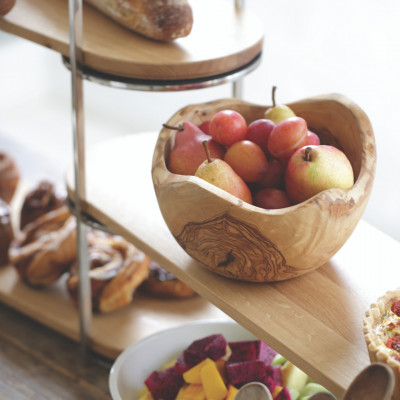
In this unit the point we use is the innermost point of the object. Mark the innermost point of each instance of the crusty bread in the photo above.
(164, 20)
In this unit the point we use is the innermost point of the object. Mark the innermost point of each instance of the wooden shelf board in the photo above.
(112, 332)
(315, 320)
(221, 41)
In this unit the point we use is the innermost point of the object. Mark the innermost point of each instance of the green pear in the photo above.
(278, 112)
(219, 173)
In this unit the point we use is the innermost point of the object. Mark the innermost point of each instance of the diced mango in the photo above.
(214, 386)
(179, 396)
(220, 363)
(276, 391)
(144, 394)
(193, 374)
(194, 391)
(232, 392)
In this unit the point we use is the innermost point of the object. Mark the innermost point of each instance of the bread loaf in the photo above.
(164, 20)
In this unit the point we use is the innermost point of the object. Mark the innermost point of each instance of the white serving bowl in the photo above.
(140, 359)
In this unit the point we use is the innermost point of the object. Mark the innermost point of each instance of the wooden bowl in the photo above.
(247, 243)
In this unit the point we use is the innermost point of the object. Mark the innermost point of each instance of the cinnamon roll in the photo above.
(117, 268)
(44, 249)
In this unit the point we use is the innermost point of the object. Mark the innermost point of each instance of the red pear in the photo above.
(188, 152)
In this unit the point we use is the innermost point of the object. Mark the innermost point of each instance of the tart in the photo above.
(382, 334)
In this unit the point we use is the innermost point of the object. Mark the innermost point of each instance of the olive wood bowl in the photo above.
(244, 242)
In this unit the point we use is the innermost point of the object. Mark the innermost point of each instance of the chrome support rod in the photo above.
(85, 304)
(237, 85)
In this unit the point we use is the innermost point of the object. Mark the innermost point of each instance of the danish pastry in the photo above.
(44, 249)
(117, 268)
(39, 201)
(161, 283)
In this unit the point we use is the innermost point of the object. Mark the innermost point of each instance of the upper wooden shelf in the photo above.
(222, 40)
(315, 320)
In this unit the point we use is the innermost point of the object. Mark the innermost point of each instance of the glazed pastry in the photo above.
(161, 283)
(117, 268)
(382, 334)
(9, 177)
(164, 20)
(45, 248)
(39, 201)
(6, 231)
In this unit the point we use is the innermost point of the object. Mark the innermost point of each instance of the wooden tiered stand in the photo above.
(314, 320)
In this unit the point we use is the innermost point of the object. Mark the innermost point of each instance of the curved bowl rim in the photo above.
(121, 359)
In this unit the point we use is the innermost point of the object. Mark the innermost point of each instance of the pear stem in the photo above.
(307, 153)
(176, 128)
(205, 144)
(273, 96)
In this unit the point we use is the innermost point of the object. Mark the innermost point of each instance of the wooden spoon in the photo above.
(254, 391)
(375, 382)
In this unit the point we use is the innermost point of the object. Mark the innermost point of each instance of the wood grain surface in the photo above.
(38, 363)
(240, 241)
(315, 320)
(110, 48)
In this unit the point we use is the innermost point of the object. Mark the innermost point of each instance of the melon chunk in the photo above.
(164, 384)
(212, 346)
(251, 350)
(293, 377)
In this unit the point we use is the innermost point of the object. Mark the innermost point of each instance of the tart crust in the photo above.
(379, 324)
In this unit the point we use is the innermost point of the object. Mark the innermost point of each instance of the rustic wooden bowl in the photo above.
(244, 242)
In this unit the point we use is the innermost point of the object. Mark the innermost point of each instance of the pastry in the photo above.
(6, 231)
(117, 268)
(382, 334)
(9, 177)
(39, 201)
(6, 6)
(44, 249)
(164, 20)
(161, 283)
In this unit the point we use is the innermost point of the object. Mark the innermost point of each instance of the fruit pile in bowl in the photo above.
(269, 215)
(205, 360)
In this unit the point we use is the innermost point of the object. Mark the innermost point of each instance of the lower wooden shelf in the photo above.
(316, 320)
(112, 332)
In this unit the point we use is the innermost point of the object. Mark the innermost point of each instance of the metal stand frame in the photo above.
(78, 73)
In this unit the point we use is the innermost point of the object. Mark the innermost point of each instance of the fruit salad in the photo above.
(213, 369)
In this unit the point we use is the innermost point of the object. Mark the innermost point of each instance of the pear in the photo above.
(278, 112)
(219, 173)
(188, 151)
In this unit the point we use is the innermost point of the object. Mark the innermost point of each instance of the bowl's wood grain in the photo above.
(244, 242)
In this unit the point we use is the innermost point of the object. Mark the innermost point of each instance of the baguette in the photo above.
(163, 20)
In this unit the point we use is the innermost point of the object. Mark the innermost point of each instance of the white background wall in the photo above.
(311, 47)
